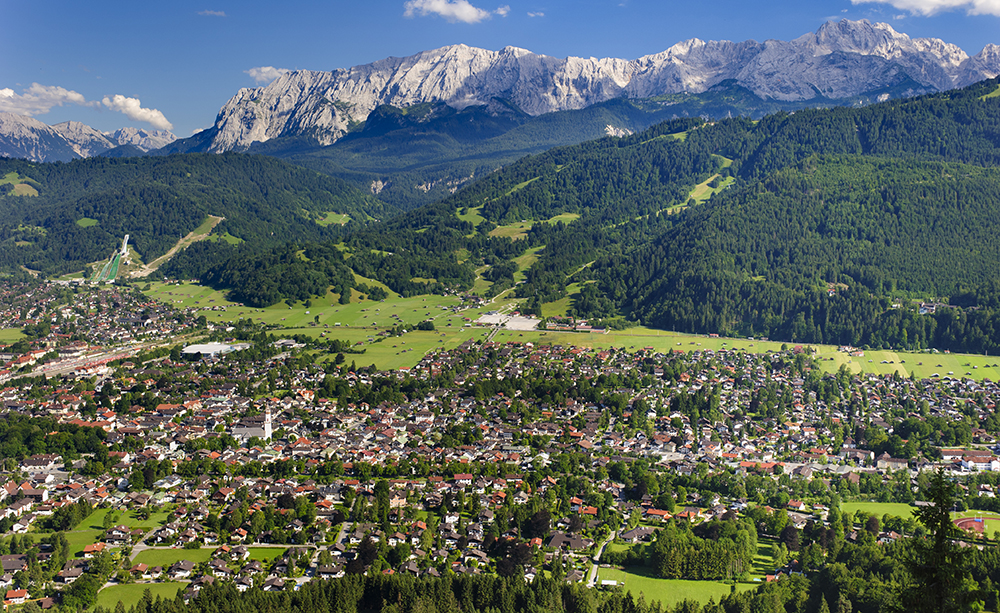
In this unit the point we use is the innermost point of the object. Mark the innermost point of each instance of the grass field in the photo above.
(131, 594)
(90, 529)
(330, 218)
(200, 233)
(559, 308)
(22, 185)
(265, 554)
(878, 508)
(702, 192)
(229, 238)
(472, 216)
(993, 94)
(526, 261)
(566, 218)
(519, 230)
(514, 231)
(10, 335)
(166, 556)
(86, 222)
(358, 322)
(668, 592)
(78, 539)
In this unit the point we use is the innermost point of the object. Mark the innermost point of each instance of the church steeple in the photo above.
(267, 423)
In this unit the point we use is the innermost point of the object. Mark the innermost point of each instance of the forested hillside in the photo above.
(830, 224)
(77, 213)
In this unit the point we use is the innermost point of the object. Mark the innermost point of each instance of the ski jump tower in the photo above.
(109, 271)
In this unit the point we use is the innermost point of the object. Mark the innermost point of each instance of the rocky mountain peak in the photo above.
(841, 59)
(145, 140)
(26, 137)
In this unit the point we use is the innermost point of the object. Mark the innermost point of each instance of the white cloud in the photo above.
(503, 10)
(212, 13)
(538, 14)
(132, 109)
(266, 74)
(452, 10)
(931, 7)
(39, 99)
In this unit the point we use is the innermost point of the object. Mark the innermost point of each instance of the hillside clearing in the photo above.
(199, 233)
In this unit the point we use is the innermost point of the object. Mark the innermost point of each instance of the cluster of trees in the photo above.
(21, 436)
(406, 594)
(717, 550)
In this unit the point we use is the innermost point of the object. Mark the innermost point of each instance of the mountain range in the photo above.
(840, 60)
(26, 137)
(842, 63)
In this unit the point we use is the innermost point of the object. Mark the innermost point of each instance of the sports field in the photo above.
(989, 525)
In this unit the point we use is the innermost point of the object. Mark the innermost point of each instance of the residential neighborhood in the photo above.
(270, 466)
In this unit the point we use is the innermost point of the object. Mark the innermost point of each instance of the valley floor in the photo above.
(454, 324)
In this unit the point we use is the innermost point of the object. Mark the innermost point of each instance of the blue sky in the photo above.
(174, 64)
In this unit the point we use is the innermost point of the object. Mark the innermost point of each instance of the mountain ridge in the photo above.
(25, 137)
(840, 60)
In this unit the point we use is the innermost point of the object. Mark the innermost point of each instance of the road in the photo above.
(592, 575)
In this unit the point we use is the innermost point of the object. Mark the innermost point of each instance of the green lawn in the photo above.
(86, 222)
(10, 335)
(559, 308)
(668, 592)
(95, 520)
(78, 539)
(91, 529)
(206, 226)
(266, 554)
(131, 594)
(166, 556)
(879, 508)
(229, 238)
(526, 261)
(373, 283)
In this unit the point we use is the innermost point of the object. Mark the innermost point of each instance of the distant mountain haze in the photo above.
(26, 137)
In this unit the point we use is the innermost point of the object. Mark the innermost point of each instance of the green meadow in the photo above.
(360, 320)
(669, 592)
(879, 508)
(10, 335)
(130, 594)
(166, 556)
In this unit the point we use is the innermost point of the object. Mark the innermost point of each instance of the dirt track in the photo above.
(147, 269)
